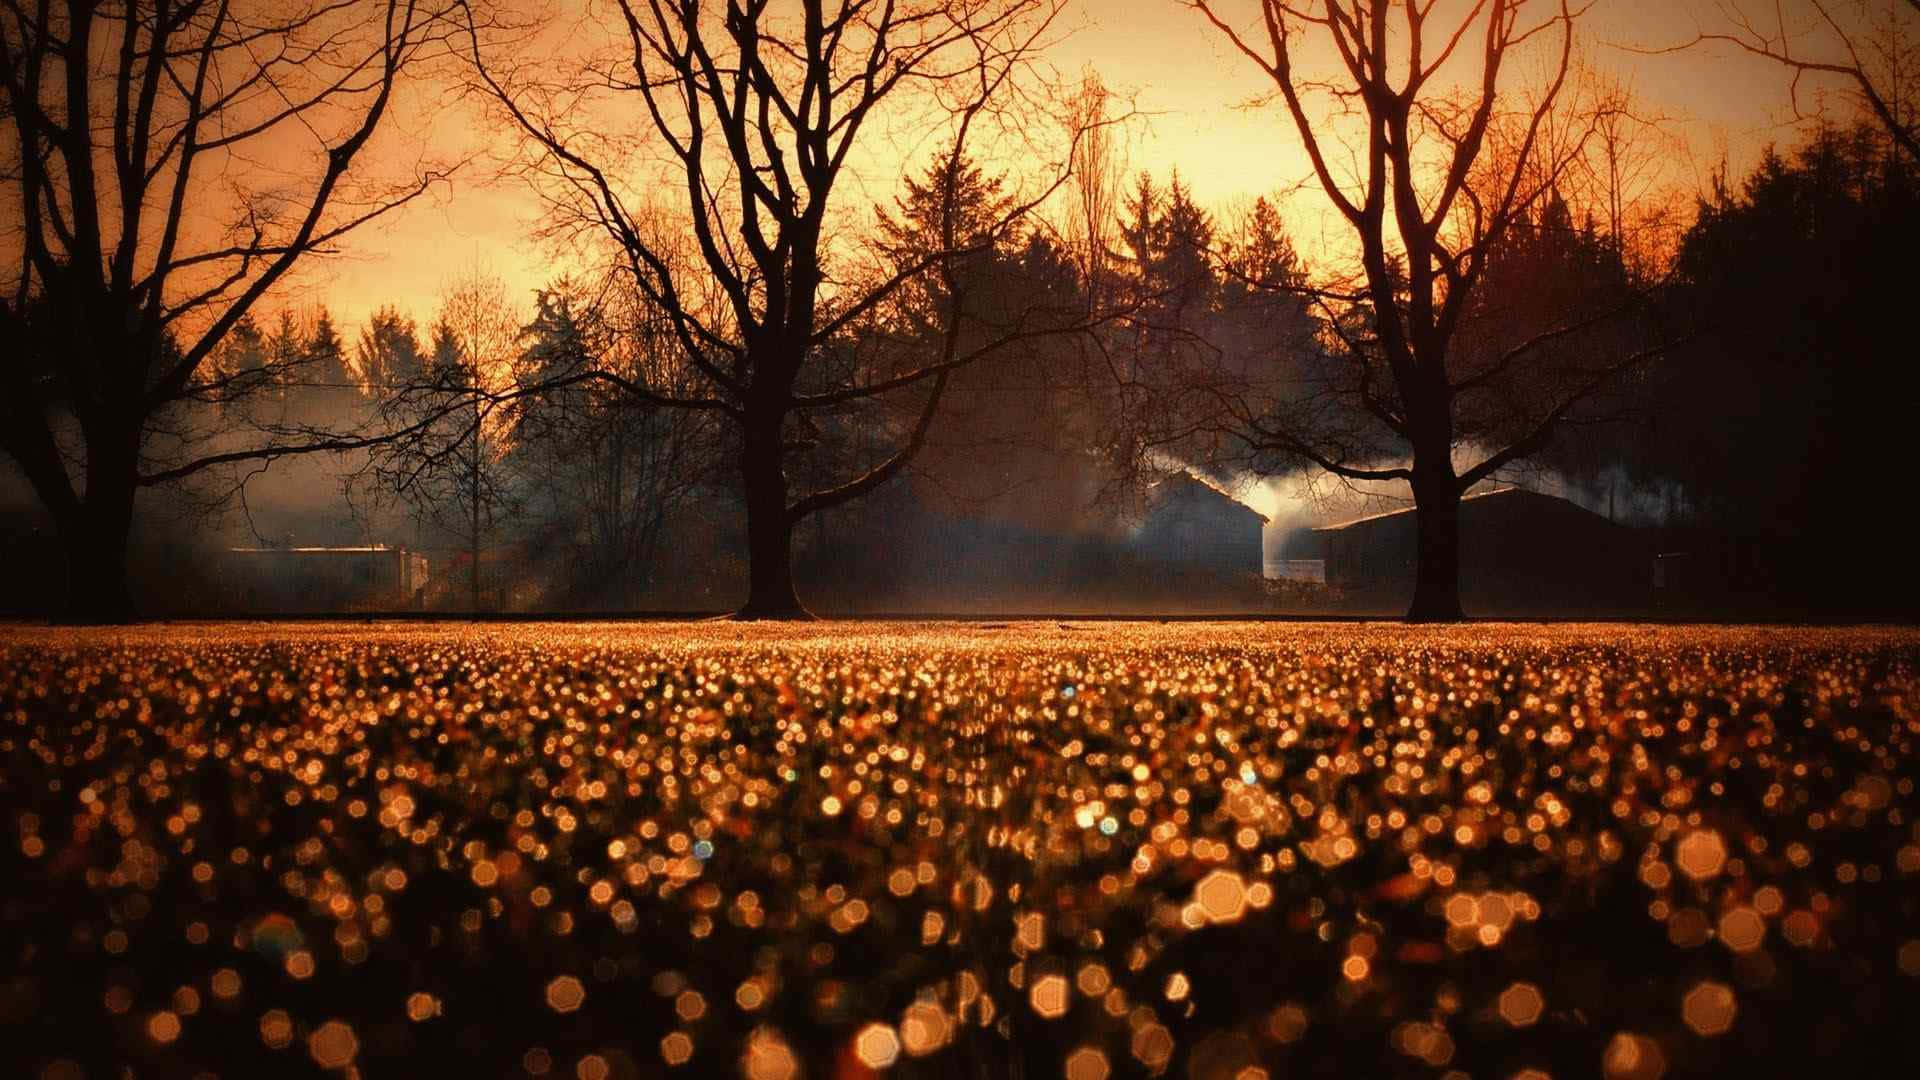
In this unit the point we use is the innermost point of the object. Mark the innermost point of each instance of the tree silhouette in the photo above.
(147, 236)
(758, 112)
(1439, 181)
(1839, 40)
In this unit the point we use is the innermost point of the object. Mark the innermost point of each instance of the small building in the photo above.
(1521, 553)
(323, 579)
(1193, 524)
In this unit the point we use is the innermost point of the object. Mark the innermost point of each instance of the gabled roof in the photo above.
(1478, 495)
(311, 550)
(1187, 481)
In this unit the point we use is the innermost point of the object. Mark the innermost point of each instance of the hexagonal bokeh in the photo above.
(1050, 996)
(1709, 1008)
(768, 1057)
(1742, 929)
(1521, 1004)
(333, 1045)
(1152, 1045)
(924, 1028)
(565, 994)
(877, 1046)
(1701, 854)
(676, 1047)
(1086, 1063)
(1222, 896)
(1631, 1056)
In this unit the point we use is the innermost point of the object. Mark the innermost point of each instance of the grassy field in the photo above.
(1104, 849)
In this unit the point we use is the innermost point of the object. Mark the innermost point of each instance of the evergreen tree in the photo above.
(1782, 415)
(286, 346)
(388, 352)
(322, 388)
(448, 362)
(241, 360)
(916, 232)
(1180, 269)
(325, 356)
(1262, 257)
(1139, 230)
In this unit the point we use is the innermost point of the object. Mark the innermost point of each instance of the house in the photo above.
(317, 579)
(1521, 553)
(1193, 524)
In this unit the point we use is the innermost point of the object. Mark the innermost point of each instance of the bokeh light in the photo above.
(596, 849)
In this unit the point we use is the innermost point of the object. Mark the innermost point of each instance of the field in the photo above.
(1100, 849)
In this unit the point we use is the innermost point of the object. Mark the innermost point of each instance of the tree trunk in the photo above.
(473, 509)
(1436, 583)
(770, 593)
(95, 536)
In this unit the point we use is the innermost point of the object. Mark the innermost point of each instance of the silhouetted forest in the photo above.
(999, 390)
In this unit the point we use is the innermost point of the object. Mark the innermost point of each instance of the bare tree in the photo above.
(1445, 163)
(476, 344)
(1869, 47)
(1628, 174)
(1096, 180)
(605, 476)
(759, 110)
(148, 228)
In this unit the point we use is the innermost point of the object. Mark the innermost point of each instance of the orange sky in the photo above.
(1181, 75)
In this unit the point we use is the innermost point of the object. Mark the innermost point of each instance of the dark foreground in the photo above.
(1200, 850)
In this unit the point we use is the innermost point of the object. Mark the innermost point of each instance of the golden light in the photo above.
(1742, 929)
(1709, 1009)
(768, 1057)
(1086, 1063)
(276, 1029)
(1222, 896)
(1093, 979)
(1521, 1004)
(565, 994)
(333, 1045)
(1801, 927)
(924, 1028)
(1049, 996)
(877, 1046)
(1287, 1023)
(163, 1027)
(1633, 1057)
(1152, 1045)
(676, 1047)
(1429, 1043)
(1701, 854)
(1030, 930)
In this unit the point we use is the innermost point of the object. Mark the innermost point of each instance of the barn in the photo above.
(1193, 524)
(312, 579)
(1521, 553)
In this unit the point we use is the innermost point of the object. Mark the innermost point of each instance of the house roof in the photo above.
(1510, 490)
(1187, 480)
(311, 550)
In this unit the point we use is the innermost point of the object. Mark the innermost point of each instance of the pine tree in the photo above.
(1181, 268)
(1140, 229)
(448, 362)
(242, 355)
(325, 356)
(285, 347)
(389, 351)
